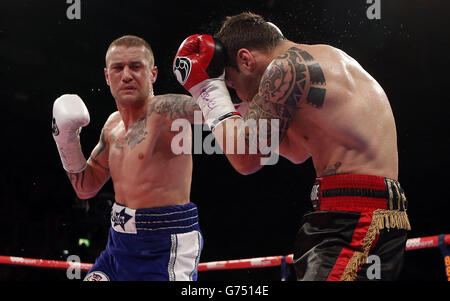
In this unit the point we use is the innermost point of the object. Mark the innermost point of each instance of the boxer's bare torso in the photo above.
(139, 160)
(144, 170)
(331, 110)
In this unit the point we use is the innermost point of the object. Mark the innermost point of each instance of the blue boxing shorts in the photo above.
(154, 244)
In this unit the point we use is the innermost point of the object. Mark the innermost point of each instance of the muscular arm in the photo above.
(88, 182)
(288, 81)
(177, 106)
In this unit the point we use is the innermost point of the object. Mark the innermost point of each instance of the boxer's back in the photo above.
(353, 129)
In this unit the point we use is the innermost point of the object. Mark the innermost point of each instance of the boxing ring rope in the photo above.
(437, 241)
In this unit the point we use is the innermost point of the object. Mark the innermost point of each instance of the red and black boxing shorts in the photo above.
(354, 218)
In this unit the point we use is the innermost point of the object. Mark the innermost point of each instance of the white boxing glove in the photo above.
(69, 116)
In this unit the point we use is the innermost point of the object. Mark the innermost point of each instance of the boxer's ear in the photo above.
(154, 72)
(245, 60)
(106, 76)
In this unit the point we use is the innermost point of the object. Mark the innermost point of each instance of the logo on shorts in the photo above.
(315, 195)
(315, 192)
(96, 276)
(120, 218)
(182, 68)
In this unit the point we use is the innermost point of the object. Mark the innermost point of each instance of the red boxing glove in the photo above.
(199, 66)
(199, 57)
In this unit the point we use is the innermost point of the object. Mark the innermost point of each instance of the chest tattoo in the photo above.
(136, 133)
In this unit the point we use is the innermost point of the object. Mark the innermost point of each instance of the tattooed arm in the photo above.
(88, 182)
(289, 80)
(177, 106)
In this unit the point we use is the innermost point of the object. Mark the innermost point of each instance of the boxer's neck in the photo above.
(264, 58)
(131, 113)
(281, 49)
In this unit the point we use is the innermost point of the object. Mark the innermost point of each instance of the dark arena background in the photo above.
(46, 50)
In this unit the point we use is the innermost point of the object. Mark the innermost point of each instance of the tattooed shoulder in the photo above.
(173, 106)
(308, 79)
(290, 80)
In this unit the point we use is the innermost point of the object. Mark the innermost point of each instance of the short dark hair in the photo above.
(247, 30)
(133, 41)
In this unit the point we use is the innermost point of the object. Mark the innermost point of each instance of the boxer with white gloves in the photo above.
(154, 232)
(69, 116)
(329, 109)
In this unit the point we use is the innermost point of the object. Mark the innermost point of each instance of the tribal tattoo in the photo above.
(102, 144)
(101, 148)
(290, 79)
(100, 165)
(77, 180)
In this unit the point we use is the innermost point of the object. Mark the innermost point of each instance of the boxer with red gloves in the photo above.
(199, 66)
(329, 109)
(154, 233)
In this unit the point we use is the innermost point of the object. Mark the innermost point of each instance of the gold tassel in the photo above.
(381, 219)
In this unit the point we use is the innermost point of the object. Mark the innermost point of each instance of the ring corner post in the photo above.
(445, 254)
